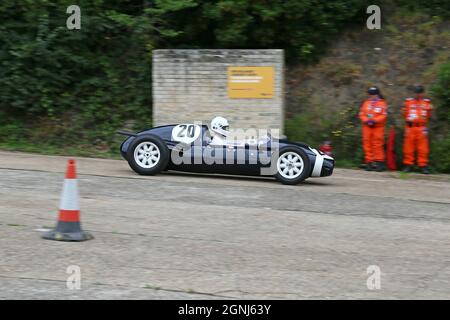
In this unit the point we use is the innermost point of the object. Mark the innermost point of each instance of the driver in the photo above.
(219, 130)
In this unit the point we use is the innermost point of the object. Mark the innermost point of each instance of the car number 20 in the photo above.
(186, 133)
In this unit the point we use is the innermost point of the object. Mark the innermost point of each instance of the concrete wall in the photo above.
(191, 85)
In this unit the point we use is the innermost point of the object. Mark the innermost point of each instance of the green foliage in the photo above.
(69, 90)
(343, 74)
(77, 85)
(432, 7)
(342, 129)
(440, 156)
(440, 144)
(441, 92)
(414, 39)
(302, 27)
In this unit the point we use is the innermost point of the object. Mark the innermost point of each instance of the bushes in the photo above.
(74, 86)
(343, 128)
(64, 87)
(432, 7)
(302, 27)
(440, 144)
(78, 86)
(440, 155)
(441, 92)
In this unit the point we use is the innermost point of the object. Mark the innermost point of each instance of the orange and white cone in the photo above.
(68, 227)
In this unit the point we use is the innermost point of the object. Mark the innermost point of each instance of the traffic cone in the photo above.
(68, 227)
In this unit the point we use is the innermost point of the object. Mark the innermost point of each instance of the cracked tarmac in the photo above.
(184, 236)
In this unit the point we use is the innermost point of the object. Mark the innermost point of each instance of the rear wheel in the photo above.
(148, 155)
(293, 166)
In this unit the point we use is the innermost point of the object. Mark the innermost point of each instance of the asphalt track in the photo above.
(184, 236)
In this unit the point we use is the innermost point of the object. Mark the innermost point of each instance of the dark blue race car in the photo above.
(189, 148)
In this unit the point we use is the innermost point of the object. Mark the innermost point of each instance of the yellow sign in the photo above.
(250, 82)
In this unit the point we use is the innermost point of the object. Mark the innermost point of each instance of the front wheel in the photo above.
(293, 166)
(148, 155)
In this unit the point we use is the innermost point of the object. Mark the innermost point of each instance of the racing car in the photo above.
(199, 148)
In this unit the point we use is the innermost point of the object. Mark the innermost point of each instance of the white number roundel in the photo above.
(186, 133)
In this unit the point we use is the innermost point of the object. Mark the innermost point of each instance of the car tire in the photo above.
(292, 166)
(148, 155)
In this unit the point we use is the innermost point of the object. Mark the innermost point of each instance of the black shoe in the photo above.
(407, 169)
(424, 170)
(369, 166)
(379, 166)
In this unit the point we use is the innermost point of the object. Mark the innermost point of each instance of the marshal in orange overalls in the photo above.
(373, 115)
(417, 112)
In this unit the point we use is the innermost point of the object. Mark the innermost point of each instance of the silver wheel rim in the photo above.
(147, 155)
(290, 165)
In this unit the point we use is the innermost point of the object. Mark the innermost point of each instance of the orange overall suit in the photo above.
(373, 115)
(417, 112)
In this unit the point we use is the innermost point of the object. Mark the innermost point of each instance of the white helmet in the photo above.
(220, 126)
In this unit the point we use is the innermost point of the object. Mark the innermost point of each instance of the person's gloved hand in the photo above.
(370, 123)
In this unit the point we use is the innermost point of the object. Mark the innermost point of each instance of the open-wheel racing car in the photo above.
(192, 147)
